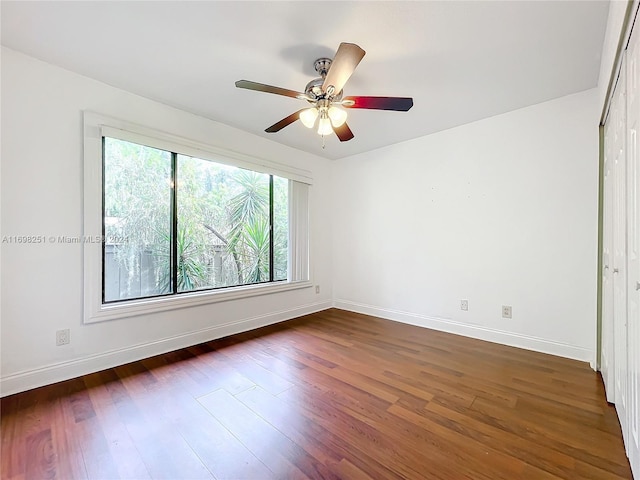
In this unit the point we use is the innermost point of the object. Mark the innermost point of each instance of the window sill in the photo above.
(159, 304)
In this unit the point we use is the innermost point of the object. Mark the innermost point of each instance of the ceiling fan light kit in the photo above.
(325, 96)
(308, 117)
(330, 117)
(337, 115)
(324, 125)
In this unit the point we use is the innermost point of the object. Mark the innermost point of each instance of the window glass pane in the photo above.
(280, 227)
(137, 220)
(223, 225)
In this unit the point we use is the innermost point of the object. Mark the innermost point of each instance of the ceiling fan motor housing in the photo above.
(314, 87)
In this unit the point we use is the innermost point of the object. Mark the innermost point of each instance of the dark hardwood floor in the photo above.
(333, 395)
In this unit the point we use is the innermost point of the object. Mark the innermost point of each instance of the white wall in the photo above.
(41, 194)
(502, 211)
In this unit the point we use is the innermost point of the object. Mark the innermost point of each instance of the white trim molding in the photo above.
(474, 331)
(38, 377)
(98, 125)
(185, 300)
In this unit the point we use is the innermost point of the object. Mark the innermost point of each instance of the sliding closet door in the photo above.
(618, 120)
(607, 363)
(620, 345)
(633, 251)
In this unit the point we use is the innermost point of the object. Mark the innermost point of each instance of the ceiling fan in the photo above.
(324, 94)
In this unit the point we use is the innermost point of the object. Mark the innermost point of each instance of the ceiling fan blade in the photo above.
(344, 63)
(399, 104)
(343, 132)
(261, 87)
(276, 127)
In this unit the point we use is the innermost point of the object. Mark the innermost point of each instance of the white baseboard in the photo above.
(473, 331)
(28, 379)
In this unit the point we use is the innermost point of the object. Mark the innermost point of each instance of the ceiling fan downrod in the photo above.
(322, 66)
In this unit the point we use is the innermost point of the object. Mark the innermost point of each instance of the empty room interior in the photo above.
(317, 239)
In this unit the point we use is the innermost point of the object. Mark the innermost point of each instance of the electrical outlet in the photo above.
(63, 337)
(464, 305)
(506, 311)
(317, 288)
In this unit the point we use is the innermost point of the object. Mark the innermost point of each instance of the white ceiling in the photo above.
(460, 61)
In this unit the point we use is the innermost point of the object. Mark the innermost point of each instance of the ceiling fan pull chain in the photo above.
(323, 142)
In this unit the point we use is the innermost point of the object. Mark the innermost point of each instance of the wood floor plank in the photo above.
(330, 395)
(284, 458)
(256, 373)
(221, 452)
(13, 449)
(544, 457)
(345, 469)
(353, 378)
(224, 375)
(95, 450)
(292, 424)
(331, 448)
(401, 458)
(163, 450)
(568, 437)
(40, 455)
(223, 455)
(123, 450)
(456, 443)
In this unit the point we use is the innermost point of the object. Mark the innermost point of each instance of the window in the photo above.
(182, 223)
(221, 226)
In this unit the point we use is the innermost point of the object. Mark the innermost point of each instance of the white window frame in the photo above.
(95, 127)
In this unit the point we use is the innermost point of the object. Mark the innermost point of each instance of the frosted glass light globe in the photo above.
(338, 116)
(308, 117)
